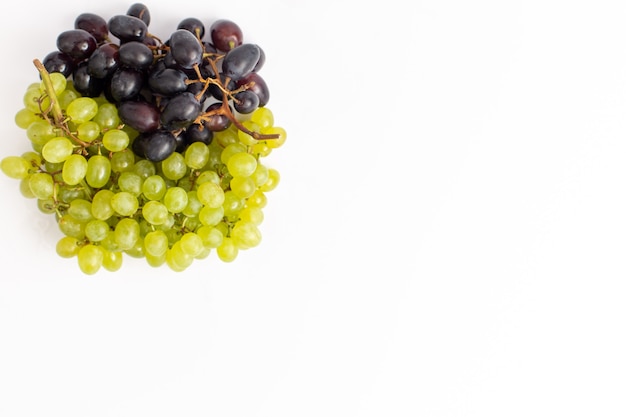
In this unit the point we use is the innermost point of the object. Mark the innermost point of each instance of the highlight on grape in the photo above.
(146, 146)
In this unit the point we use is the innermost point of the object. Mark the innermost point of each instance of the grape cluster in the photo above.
(149, 148)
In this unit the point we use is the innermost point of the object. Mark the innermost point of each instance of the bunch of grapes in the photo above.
(149, 147)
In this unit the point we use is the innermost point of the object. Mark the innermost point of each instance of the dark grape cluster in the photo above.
(173, 91)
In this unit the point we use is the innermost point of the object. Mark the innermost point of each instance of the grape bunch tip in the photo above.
(148, 147)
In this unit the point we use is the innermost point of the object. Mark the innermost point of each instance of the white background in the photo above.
(447, 238)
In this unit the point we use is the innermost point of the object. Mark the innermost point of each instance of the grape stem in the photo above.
(57, 113)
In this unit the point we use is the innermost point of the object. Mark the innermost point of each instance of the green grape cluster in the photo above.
(109, 202)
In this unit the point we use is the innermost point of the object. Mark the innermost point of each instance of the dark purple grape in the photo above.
(225, 35)
(77, 43)
(193, 25)
(58, 61)
(185, 48)
(94, 24)
(141, 11)
(259, 87)
(155, 146)
(246, 102)
(197, 133)
(167, 82)
(86, 84)
(140, 115)
(180, 111)
(240, 61)
(127, 28)
(136, 55)
(217, 122)
(125, 84)
(104, 60)
(259, 64)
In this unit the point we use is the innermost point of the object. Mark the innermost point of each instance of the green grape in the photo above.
(210, 194)
(34, 158)
(245, 138)
(243, 187)
(156, 243)
(191, 244)
(260, 149)
(90, 258)
(67, 247)
(278, 142)
(57, 150)
(204, 253)
(97, 230)
(67, 194)
(193, 205)
(107, 116)
(245, 235)
(263, 117)
(257, 199)
(42, 185)
(70, 226)
(196, 155)
(34, 101)
(174, 166)
(252, 214)
(98, 171)
(127, 233)
(272, 180)
(82, 109)
(24, 117)
(241, 164)
(154, 187)
(227, 251)
(109, 243)
(74, 169)
(40, 132)
(211, 236)
(25, 189)
(209, 216)
(123, 161)
(155, 261)
(88, 131)
(177, 258)
(232, 203)
(58, 81)
(144, 168)
(207, 176)
(175, 199)
(112, 260)
(47, 206)
(80, 209)
(101, 205)
(66, 97)
(15, 167)
(231, 150)
(130, 182)
(137, 251)
(115, 140)
(124, 203)
(226, 137)
(155, 212)
(260, 174)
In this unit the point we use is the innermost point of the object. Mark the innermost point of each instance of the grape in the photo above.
(148, 149)
(226, 34)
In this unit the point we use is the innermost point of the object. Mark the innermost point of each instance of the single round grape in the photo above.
(191, 244)
(140, 11)
(125, 84)
(67, 247)
(167, 81)
(156, 243)
(246, 138)
(15, 167)
(107, 116)
(112, 260)
(246, 235)
(186, 48)
(88, 131)
(80, 209)
(154, 187)
(86, 83)
(174, 166)
(115, 140)
(97, 230)
(275, 130)
(40, 132)
(211, 236)
(243, 187)
(155, 146)
(252, 214)
(42, 185)
(101, 204)
(58, 81)
(175, 199)
(126, 233)
(130, 182)
(210, 194)
(246, 102)
(225, 34)
(127, 28)
(272, 180)
(82, 109)
(124, 203)
(122, 161)
(196, 155)
(70, 226)
(241, 164)
(180, 111)
(57, 61)
(104, 60)
(77, 43)
(24, 117)
(193, 25)
(240, 61)
(66, 97)
(227, 251)
(57, 150)
(98, 171)
(136, 55)
(90, 259)
(193, 205)
(231, 150)
(257, 85)
(155, 212)
(210, 216)
(94, 24)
